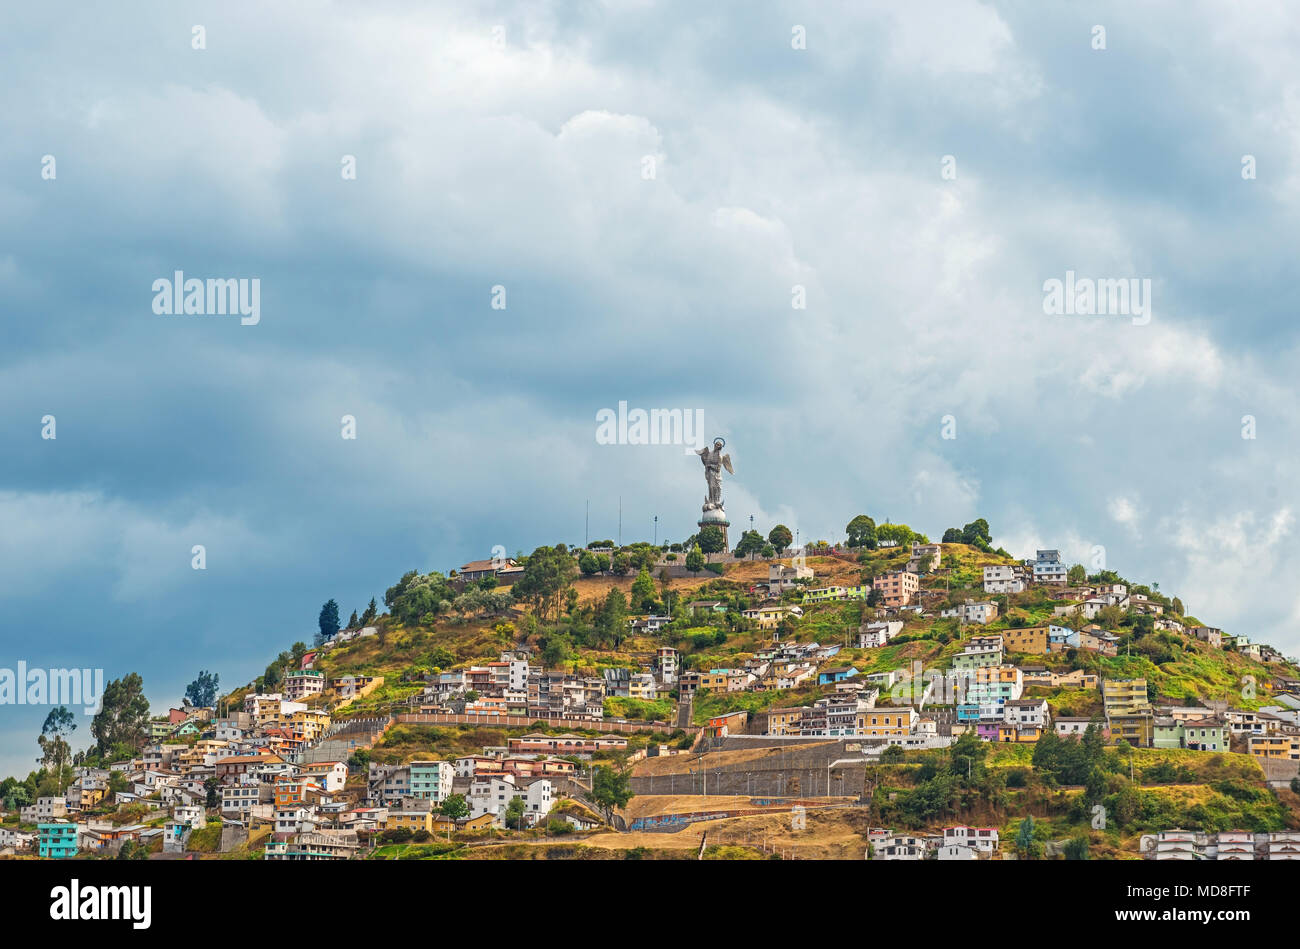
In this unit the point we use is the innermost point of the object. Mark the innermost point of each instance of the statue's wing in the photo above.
(726, 463)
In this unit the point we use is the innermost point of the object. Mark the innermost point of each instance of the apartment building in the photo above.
(897, 588)
(1048, 568)
(1278, 747)
(1032, 640)
(1004, 579)
(303, 683)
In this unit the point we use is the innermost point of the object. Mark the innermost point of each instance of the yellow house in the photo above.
(770, 616)
(1125, 696)
(1285, 747)
(1019, 734)
(410, 820)
(1030, 639)
(783, 721)
(641, 686)
(1137, 729)
(713, 682)
(887, 721)
(91, 796)
(308, 724)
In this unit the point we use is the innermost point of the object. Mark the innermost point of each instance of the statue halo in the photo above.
(719, 438)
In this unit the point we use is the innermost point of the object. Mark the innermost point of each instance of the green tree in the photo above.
(711, 539)
(590, 564)
(329, 621)
(611, 620)
(123, 719)
(751, 542)
(455, 807)
(372, 611)
(621, 564)
(976, 533)
(1077, 574)
(548, 572)
(1076, 848)
(967, 757)
(894, 534)
(780, 537)
(610, 790)
(353, 620)
(643, 590)
(55, 751)
(695, 560)
(1026, 845)
(515, 813)
(556, 651)
(952, 536)
(202, 692)
(131, 850)
(861, 532)
(414, 597)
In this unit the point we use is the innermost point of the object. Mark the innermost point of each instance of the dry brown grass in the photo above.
(680, 764)
(828, 835)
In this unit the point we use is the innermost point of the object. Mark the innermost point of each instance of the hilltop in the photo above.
(897, 684)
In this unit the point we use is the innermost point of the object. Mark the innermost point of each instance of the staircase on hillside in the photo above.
(685, 711)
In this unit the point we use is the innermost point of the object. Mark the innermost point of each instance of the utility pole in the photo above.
(586, 526)
(656, 530)
(620, 520)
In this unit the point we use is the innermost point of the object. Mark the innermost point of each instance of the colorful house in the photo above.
(838, 674)
(57, 840)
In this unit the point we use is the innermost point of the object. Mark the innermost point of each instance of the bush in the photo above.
(557, 828)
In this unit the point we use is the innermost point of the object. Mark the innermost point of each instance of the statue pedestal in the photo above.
(716, 518)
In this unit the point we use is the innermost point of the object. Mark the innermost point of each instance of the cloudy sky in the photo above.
(506, 144)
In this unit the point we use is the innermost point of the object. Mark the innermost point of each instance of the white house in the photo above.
(491, 795)
(1048, 567)
(1003, 579)
(191, 814)
(898, 847)
(955, 852)
(330, 775)
(973, 611)
(1026, 712)
(875, 635)
(983, 839)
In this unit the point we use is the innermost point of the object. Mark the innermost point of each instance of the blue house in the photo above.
(57, 840)
(1060, 638)
(839, 674)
